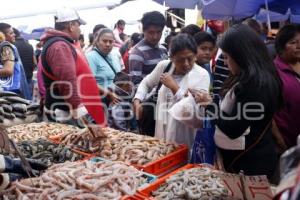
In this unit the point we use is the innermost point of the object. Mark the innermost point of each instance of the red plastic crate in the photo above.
(167, 163)
(146, 192)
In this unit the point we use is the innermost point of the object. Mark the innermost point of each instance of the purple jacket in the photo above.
(288, 119)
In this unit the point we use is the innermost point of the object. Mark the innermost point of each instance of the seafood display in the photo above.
(16, 110)
(79, 180)
(47, 152)
(120, 146)
(81, 140)
(196, 183)
(132, 148)
(34, 131)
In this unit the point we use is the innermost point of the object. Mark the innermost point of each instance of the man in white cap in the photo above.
(71, 89)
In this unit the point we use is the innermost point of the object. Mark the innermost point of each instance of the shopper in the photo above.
(184, 74)
(148, 52)
(249, 100)
(104, 64)
(288, 65)
(205, 50)
(12, 75)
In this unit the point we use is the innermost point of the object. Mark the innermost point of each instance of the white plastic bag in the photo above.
(187, 112)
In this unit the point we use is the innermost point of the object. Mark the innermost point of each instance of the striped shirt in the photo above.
(143, 59)
(220, 75)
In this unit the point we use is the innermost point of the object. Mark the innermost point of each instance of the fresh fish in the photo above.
(8, 94)
(17, 99)
(7, 108)
(19, 107)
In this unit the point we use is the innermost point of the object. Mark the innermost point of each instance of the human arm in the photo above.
(8, 60)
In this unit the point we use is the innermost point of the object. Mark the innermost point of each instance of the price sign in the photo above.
(257, 188)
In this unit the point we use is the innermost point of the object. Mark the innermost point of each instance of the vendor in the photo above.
(12, 169)
(71, 89)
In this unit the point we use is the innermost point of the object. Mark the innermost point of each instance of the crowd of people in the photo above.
(134, 83)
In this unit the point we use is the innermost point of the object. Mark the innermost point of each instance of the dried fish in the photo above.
(196, 183)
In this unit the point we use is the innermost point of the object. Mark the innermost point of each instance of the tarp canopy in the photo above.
(239, 9)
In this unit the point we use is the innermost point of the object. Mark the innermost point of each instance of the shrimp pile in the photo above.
(196, 183)
(120, 146)
(84, 180)
(34, 131)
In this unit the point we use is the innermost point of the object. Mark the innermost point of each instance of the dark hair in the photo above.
(204, 37)
(121, 22)
(252, 23)
(182, 41)
(153, 18)
(97, 28)
(81, 37)
(61, 25)
(249, 52)
(17, 32)
(135, 38)
(191, 29)
(285, 34)
(121, 77)
(122, 36)
(91, 38)
(100, 33)
(4, 26)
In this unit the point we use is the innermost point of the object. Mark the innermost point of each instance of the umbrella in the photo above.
(35, 34)
(239, 9)
(191, 4)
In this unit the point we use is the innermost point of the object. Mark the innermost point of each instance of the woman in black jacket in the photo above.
(250, 98)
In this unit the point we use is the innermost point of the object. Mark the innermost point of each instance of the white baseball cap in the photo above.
(68, 14)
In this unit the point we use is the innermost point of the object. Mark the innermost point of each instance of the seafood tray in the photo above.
(47, 152)
(160, 186)
(146, 153)
(34, 131)
(168, 163)
(149, 177)
(79, 180)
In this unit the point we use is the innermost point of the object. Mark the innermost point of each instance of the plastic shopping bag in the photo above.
(204, 148)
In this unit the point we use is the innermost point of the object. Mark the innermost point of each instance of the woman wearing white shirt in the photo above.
(183, 75)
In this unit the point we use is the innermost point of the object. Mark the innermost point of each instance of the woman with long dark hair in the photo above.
(249, 100)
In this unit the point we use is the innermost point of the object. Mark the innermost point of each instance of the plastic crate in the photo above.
(168, 163)
(134, 197)
(150, 178)
(146, 192)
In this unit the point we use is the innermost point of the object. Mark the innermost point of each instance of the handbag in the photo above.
(146, 123)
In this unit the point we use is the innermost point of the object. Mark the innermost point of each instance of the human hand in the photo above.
(201, 96)
(113, 97)
(169, 82)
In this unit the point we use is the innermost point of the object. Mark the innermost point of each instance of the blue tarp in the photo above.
(239, 9)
